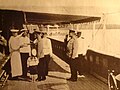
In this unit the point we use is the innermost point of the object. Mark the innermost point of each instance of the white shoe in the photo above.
(81, 76)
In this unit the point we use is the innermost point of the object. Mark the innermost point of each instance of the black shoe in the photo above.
(74, 80)
(71, 79)
(27, 77)
(23, 76)
(13, 78)
(38, 79)
(44, 78)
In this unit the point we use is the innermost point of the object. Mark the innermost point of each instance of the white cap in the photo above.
(14, 30)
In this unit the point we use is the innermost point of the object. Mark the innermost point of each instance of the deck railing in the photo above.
(96, 63)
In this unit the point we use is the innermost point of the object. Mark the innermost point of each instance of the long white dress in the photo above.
(14, 47)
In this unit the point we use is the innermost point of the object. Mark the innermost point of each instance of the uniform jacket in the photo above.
(72, 48)
(40, 48)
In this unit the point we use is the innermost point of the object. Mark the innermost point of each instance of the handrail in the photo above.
(3, 73)
(3, 64)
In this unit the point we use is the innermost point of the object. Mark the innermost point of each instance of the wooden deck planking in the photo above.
(88, 83)
(56, 80)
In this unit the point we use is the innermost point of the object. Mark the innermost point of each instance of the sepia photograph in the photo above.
(59, 44)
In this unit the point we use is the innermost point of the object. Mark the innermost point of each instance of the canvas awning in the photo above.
(44, 18)
(74, 11)
(49, 18)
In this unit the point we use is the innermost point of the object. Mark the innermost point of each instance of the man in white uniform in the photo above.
(72, 48)
(81, 52)
(47, 50)
(25, 52)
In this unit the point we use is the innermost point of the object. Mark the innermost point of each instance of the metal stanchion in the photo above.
(112, 83)
(5, 80)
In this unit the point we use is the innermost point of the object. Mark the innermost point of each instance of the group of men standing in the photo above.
(75, 52)
(20, 51)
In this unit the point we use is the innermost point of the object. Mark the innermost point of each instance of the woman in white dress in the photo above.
(14, 47)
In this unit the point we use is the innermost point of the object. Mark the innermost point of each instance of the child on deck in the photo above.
(32, 63)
